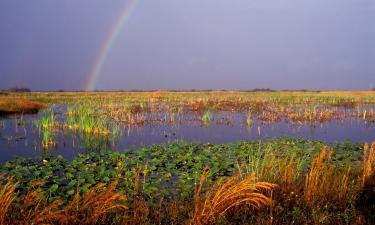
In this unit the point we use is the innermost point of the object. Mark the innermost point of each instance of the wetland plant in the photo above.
(47, 125)
(233, 192)
(249, 120)
(206, 117)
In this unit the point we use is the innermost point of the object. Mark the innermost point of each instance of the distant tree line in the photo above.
(17, 89)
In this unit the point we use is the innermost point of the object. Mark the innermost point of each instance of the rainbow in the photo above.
(108, 44)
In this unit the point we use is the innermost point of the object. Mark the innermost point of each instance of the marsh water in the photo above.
(19, 136)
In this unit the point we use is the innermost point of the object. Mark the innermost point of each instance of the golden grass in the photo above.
(19, 106)
(316, 179)
(234, 191)
(89, 208)
(7, 196)
(35, 207)
(325, 182)
(368, 163)
(289, 176)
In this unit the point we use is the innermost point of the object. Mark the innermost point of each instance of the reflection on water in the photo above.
(19, 136)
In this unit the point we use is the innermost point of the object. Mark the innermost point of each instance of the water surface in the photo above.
(20, 137)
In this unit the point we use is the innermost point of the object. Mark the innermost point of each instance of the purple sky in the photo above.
(191, 44)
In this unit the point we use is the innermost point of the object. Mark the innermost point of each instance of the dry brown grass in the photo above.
(368, 163)
(7, 196)
(35, 205)
(317, 180)
(325, 182)
(289, 180)
(19, 106)
(234, 191)
(89, 208)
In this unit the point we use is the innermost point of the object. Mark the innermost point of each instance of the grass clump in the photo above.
(10, 106)
(94, 207)
(233, 192)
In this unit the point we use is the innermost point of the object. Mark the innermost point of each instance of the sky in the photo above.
(194, 44)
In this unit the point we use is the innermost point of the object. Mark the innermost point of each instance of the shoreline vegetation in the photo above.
(11, 106)
(279, 181)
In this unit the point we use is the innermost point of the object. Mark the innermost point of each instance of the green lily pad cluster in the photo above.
(161, 171)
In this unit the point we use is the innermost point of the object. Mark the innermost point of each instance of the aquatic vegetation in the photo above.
(145, 108)
(172, 174)
(206, 117)
(47, 126)
(89, 120)
(249, 119)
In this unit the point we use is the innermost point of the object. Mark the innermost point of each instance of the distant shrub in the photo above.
(19, 89)
(260, 90)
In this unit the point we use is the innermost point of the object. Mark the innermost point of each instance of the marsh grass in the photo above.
(89, 208)
(206, 117)
(231, 193)
(19, 106)
(93, 207)
(7, 197)
(326, 183)
(368, 163)
(47, 126)
(249, 119)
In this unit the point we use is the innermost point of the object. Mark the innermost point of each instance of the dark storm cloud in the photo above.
(201, 44)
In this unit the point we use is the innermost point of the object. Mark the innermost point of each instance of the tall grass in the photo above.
(89, 208)
(7, 196)
(93, 207)
(368, 163)
(326, 182)
(234, 191)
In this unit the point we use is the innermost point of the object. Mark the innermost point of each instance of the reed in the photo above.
(47, 125)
